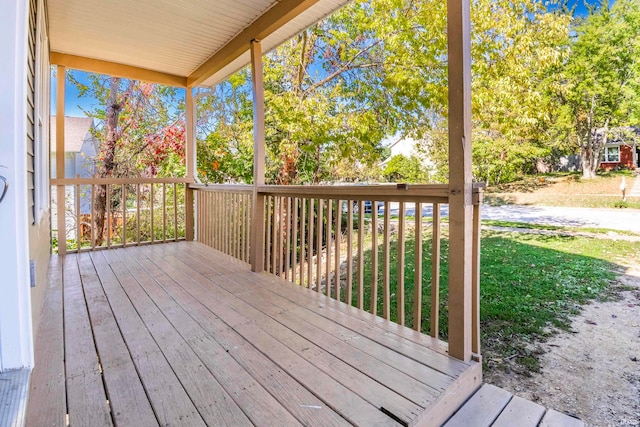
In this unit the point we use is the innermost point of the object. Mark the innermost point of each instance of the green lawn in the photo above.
(530, 287)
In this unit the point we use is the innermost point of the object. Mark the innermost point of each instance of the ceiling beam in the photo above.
(274, 18)
(116, 69)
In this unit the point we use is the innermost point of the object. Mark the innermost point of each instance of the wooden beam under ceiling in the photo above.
(270, 21)
(116, 69)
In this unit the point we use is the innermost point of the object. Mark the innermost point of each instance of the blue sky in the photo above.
(73, 102)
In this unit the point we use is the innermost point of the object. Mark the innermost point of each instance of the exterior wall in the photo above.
(38, 141)
(626, 159)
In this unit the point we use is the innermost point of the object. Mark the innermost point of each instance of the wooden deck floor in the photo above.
(178, 335)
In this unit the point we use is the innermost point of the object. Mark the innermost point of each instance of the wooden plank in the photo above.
(86, 395)
(520, 412)
(289, 234)
(382, 192)
(208, 335)
(47, 393)
(127, 396)
(299, 320)
(557, 419)
(195, 371)
(481, 409)
(168, 398)
(294, 238)
(475, 281)
(306, 362)
(116, 181)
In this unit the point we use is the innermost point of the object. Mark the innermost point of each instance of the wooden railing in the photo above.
(223, 218)
(363, 245)
(134, 211)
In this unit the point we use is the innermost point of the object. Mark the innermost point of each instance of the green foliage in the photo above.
(602, 77)
(406, 169)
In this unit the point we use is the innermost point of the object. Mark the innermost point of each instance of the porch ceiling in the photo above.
(198, 41)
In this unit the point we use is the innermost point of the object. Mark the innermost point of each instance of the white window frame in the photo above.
(41, 117)
(611, 157)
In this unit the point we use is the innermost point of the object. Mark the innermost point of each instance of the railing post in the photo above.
(189, 213)
(190, 158)
(257, 227)
(60, 193)
(460, 180)
(475, 275)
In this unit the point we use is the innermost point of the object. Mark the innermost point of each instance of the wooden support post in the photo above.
(60, 196)
(257, 228)
(190, 156)
(460, 179)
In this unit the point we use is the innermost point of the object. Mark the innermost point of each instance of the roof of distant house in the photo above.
(76, 130)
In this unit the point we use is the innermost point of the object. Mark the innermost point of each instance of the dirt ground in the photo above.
(592, 372)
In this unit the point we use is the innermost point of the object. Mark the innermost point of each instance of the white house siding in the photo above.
(38, 145)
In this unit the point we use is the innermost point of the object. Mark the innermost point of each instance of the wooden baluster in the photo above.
(327, 280)
(92, 219)
(310, 240)
(475, 279)
(348, 296)
(417, 274)
(269, 243)
(108, 199)
(281, 235)
(435, 272)
(303, 218)
(294, 242)
(374, 257)
(338, 241)
(360, 290)
(386, 293)
(78, 216)
(275, 233)
(124, 215)
(400, 281)
(138, 213)
(153, 236)
(164, 212)
(319, 245)
(175, 214)
(288, 234)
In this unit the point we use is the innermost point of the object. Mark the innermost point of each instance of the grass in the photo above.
(558, 228)
(565, 190)
(531, 285)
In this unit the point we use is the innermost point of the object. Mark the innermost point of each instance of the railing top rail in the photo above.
(104, 181)
(236, 188)
(379, 192)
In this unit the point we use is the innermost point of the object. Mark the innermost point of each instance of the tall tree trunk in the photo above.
(108, 153)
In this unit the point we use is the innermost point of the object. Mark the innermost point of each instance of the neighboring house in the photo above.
(81, 147)
(622, 150)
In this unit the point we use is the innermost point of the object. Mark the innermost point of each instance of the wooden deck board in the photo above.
(556, 419)
(520, 412)
(86, 395)
(180, 334)
(47, 386)
(305, 406)
(482, 409)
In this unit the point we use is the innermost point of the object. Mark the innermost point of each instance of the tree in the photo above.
(602, 78)
(141, 132)
(401, 168)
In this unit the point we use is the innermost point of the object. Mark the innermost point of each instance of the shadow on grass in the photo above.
(531, 285)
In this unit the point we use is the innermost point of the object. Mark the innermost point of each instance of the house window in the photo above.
(611, 154)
